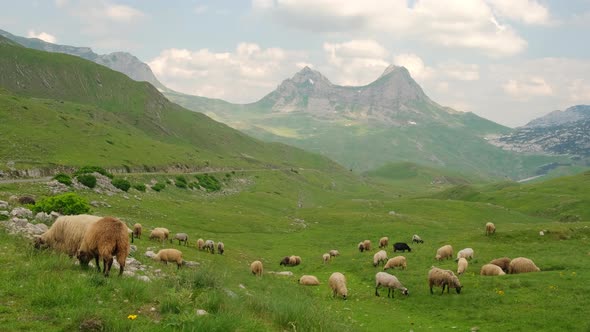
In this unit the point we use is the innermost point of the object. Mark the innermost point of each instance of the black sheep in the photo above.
(401, 247)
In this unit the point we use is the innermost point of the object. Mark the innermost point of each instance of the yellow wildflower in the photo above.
(132, 317)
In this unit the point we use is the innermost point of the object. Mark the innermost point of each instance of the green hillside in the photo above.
(59, 109)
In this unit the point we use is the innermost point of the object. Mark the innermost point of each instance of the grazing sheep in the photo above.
(309, 280)
(137, 231)
(522, 265)
(390, 282)
(491, 270)
(210, 246)
(401, 246)
(416, 239)
(158, 234)
(24, 200)
(445, 278)
(200, 244)
(220, 247)
(334, 253)
(367, 245)
(462, 265)
(181, 237)
(490, 228)
(285, 261)
(503, 263)
(169, 255)
(326, 257)
(361, 246)
(379, 257)
(294, 260)
(66, 233)
(104, 239)
(256, 268)
(337, 283)
(165, 231)
(443, 252)
(465, 253)
(383, 242)
(396, 261)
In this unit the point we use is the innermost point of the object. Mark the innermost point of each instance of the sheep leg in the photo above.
(108, 262)
(97, 265)
(431, 292)
(376, 288)
(443, 288)
(389, 293)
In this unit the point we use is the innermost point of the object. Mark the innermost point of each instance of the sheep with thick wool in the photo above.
(137, 231)
(326, 257)
(158, 234)
(361, 246)
(383, 242)
(380, 257)
(104, 239)
(165, 231)
(465, 253)
(503, 263)
(200, 244)
(220, 248)
(367, 245)
(337, 283)
(294, 260)
(462, 266)
(397, 261)
(66, 233)
(309, 280)
(443, 278)
(256, 268)
(334, 253)
(209, 246)
(444, 252)
(522, 265)
(390, 282)
(169, 255)
(490, 228)
(491, 270)
(181, 237)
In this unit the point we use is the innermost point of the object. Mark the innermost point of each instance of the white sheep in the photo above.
(200, 244)
(390, 282)
(383, 242)
(503, 263)
(396, 261)
(416, 239)
(326, 257)
(491, 270)
(334, 253)
(379, 257)
(490, 228)
(220, 247)
(181, 237)
(210, 246)
(522, 265)
(445, 278)
(309, 280)
(256, 268)
(337, 283)
(443, 252)
(169, 255)
(465, 253)
(462, 266)
(66, 233)
(361, 246)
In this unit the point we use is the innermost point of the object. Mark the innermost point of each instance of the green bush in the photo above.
(159, 186)
(88, 180)
(92, 169)
(139, 187)
(121, 184)
(209, 182)
(67, 204)
(63, 178)
(181, 182)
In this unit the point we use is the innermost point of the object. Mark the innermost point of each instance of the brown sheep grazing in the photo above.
(24, 200)
(491, 270)
(522, 265)
(256, 268)
(361, 246)
(66, 233)
(294, 260)
(383, 242)
(443, 252)
(445, 278)
(367, 245)
(285, 261)
(137, 231)
(309, 280)
(220, 248)
(169, 255)
(165, 231)
(200, 244)
(503, 263)
(103, 240)
(158, 234)
(490, 228)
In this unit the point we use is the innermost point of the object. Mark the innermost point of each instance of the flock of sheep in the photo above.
(446, 279)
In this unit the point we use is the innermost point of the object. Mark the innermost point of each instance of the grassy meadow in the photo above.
(267, 215)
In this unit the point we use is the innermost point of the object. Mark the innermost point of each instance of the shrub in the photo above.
(181, 182)
(209, 182)
(88, 180)
(139, 187)
(121, 184)
(67, 204)
(159, 186)
(92, 169)
(63, 178)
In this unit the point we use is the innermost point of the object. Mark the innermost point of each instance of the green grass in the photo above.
(256, 219)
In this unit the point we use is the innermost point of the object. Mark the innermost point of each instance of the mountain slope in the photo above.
(58, 109)
(122, 62)
(365, 127)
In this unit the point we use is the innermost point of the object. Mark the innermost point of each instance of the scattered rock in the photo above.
(391, 213)
(146, 279)
(4, 213)
(20, 222)
(43, 217)
(3, 205)
(133, 248)
(55, 215)
(201, 312)
(21, 212)
(282, 273)
(150, 254)
(230, 293)
(56, 187)
(191, 263)
(242, 286)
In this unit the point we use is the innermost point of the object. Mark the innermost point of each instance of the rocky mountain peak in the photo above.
(308, 75)
(571, 114)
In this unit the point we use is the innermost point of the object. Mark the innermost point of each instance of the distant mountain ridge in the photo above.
(123, 62)
(571, 114)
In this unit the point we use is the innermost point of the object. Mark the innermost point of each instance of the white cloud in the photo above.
(356, 62)
(526, 11)
(201, 9)
(452, 23)
(415, 65)
(527, 88)
(244, 75)
(42, 35)
(121, 12)
(579, 91)
(61, 3)
(459, 71)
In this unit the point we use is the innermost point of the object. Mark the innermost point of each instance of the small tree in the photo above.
(88, 180)
(63, 178)
(121, 184)
(67, 204)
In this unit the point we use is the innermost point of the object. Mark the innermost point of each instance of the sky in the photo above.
(509, 61)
